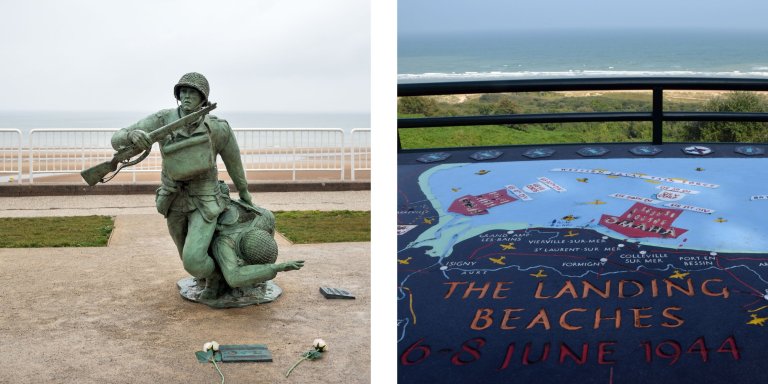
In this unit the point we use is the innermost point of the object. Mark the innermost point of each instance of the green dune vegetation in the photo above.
(569, 102)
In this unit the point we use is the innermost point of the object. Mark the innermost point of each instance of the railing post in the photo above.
(343, 155)
(352, 162)
(31, 160)
(294, 155)
(657, 115)
(20, 155)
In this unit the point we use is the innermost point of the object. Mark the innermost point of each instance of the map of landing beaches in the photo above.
(632, 270)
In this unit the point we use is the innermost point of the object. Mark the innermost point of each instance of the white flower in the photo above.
(211, 345)
(320, 345)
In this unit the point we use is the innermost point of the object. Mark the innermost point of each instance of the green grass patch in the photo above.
(70, 231)
(490, 135)
(300, 227)
(307, 227)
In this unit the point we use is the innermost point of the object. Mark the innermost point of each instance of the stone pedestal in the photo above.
(230, 297)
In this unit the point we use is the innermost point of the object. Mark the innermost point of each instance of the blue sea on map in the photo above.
(735, 225)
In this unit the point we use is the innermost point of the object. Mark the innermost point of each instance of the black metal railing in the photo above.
(657, 115)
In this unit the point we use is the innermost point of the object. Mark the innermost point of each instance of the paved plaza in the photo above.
(114, 315)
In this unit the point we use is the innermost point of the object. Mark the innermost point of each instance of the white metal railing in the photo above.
(292, 149)
(360, 150)
(10, 154)
(66, 151)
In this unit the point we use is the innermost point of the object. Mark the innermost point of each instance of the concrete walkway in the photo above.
(114, 315)
(113, 205)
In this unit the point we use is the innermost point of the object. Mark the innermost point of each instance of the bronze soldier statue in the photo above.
(190, 197)
(244, 246)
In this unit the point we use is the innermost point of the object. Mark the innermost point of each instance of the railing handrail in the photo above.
(317, 149)
(657, 115)
(289, 129)
(584, 84)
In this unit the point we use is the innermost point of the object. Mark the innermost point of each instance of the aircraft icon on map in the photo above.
(481, 172)
(597, 202)
(571, 233)
(540, 273)
(679, 275)
(721, 220)
(582, 180)
(508, 246)
(427, 220)
(757, 320)
(405, 261)
(570, 218)
(499, 261)
(456, 189)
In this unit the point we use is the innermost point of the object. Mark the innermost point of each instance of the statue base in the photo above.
(230, 297)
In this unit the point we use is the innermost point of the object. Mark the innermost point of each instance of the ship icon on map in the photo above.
(643, 220)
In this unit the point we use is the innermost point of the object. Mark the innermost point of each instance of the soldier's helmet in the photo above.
(256, 246)
(193, 80)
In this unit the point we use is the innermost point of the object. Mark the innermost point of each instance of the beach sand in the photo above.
(252, 176)
(64, 168)
(668, 95)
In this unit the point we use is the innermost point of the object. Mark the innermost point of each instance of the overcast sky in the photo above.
(463, 15)
(265, 55)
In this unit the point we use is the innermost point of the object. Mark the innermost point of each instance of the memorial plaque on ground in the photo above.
(245, 353)
(336, 293)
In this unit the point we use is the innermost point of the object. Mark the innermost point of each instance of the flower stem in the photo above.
(294, 366)
(213, 360)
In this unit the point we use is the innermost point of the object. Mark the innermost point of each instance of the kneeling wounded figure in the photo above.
(244, 249)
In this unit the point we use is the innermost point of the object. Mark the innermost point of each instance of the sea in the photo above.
(532, 54)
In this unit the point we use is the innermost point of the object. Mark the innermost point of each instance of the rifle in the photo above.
(122, 158)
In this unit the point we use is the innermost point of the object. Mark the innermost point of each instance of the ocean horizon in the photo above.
(528, 54)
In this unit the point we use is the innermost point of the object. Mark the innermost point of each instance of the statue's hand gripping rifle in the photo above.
(122, 158)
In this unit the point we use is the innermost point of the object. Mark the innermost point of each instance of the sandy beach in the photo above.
(252, 176)
(65, 166)
(668, 95)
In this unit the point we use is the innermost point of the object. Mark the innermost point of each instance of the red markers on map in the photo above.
(478, 205)
(643, 220)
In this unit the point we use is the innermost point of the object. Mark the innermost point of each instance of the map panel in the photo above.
(589, 270)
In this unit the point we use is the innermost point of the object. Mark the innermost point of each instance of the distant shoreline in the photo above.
(439, 77)
(695, 96)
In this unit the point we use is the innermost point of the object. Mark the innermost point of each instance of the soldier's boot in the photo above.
(212, 287)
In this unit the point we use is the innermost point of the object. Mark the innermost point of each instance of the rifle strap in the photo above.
(127, 164)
